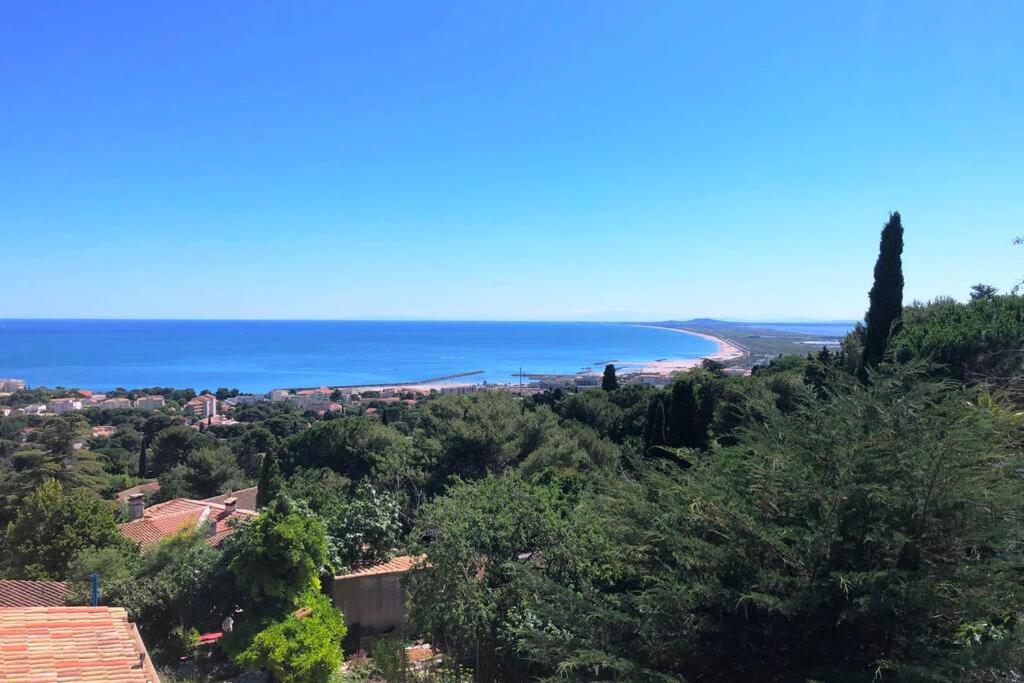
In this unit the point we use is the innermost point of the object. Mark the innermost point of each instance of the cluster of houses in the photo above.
(85, 399)
(319, 400)
(202, 407)
(42, 638)
(371, 597)
(371, 606)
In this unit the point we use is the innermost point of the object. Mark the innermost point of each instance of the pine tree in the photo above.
(270, 480)
(609, 382)
(886, 295)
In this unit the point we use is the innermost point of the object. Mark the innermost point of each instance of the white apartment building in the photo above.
(64, 405)
(317, 400)
(248, 399)
(9, 386)
(202, 406)
(150, 402)
(112, 403)
(461, 389)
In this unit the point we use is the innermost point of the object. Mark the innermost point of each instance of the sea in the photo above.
(256, 355)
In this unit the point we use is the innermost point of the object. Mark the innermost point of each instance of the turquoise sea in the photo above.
(261, 355)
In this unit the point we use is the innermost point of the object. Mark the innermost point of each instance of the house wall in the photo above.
(372, 605)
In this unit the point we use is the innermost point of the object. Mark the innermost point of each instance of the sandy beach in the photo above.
(726, 351)
(665, 367)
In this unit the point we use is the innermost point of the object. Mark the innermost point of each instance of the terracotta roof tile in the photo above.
(246, 498)
(396, 565)
(170, 507)
(33, 593)
(166, 519)
(72, 644)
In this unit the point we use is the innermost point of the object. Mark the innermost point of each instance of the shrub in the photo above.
(390, 660)
(304, 647)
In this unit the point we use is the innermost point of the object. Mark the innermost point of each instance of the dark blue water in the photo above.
(262, 355)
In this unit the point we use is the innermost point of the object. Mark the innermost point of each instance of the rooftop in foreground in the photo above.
(95, 644)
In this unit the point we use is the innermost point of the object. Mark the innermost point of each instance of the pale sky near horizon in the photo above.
(503, 160)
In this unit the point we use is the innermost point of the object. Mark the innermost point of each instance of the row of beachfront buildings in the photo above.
(318, 400)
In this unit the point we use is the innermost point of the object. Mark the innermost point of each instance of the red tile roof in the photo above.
(166, 519)
(169, 507)
(246, 498)
(33, 593)
(396, 565)
(95, 644)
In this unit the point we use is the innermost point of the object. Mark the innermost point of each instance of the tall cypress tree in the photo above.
(609, 382)
(654, 433)
(270, 479)
(682, 418)
(886, 295)
(142, 459)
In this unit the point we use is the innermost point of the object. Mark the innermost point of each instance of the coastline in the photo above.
(243, 341)
(669, 366)
(665, 367)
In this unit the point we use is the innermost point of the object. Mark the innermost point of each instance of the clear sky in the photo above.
(507, 160)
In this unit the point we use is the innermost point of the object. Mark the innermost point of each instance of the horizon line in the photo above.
(798, 321)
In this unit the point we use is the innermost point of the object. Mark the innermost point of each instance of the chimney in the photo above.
(136, 504)
(229, 505)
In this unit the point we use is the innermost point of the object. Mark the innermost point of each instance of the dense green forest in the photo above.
(852, 515)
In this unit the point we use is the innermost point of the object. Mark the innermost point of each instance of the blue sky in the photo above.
(507, 160)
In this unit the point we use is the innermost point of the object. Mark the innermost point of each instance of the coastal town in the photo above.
(180, 464)
(209, 409)
(370, 592)
(504, 342)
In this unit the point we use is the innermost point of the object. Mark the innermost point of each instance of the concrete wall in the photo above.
(372, 605)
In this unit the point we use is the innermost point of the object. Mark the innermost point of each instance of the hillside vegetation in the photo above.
(845, 516)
